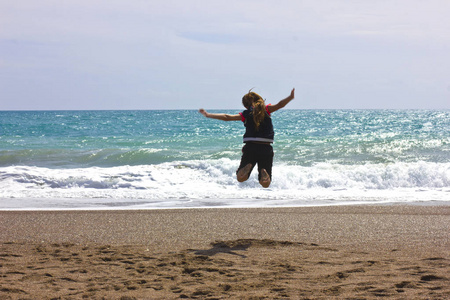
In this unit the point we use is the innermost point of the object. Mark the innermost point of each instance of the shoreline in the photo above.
(365, 251)
(441, 203)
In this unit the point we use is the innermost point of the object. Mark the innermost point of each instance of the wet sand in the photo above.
(346, 252)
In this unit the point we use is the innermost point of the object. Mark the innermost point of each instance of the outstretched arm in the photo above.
(223, 117)
(282, 103)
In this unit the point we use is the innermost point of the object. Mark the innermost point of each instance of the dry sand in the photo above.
(347, 252)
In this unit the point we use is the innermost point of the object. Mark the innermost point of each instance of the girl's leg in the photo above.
(264, 178)
(243, 173)
(265, 161)
(247, 163)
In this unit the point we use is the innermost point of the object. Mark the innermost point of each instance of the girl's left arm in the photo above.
(223, 117)
(282, 103)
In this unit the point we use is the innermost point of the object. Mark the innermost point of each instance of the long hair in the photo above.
(259, 108)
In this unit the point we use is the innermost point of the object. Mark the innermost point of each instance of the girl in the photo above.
(258, 135)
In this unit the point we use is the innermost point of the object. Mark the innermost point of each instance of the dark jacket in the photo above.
(265, 131)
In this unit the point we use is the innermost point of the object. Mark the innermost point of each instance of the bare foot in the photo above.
(243, 173)
(265, 178)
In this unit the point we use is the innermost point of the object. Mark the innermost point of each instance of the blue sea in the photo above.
(180, 159)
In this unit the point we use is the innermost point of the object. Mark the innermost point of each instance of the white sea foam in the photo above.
(212, 183)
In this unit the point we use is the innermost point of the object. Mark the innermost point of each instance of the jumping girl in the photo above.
(258, 135)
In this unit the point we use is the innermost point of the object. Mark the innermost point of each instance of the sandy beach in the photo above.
(345, 252)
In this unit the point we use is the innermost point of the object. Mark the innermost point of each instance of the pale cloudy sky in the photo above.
(187, 54)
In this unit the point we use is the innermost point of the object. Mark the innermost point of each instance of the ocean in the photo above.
(180, 159)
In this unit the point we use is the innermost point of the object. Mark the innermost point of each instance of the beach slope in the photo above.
(398, 252)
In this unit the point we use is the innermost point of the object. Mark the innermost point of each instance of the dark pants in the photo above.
(253, 153)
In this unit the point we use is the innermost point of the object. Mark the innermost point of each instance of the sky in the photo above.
(188, 54)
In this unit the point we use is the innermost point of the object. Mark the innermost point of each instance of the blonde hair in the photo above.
(259, 108)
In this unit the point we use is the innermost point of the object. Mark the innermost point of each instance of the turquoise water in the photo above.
(179, 158)
(111, 138)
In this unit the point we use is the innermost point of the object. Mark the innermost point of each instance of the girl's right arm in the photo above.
(223, 117)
